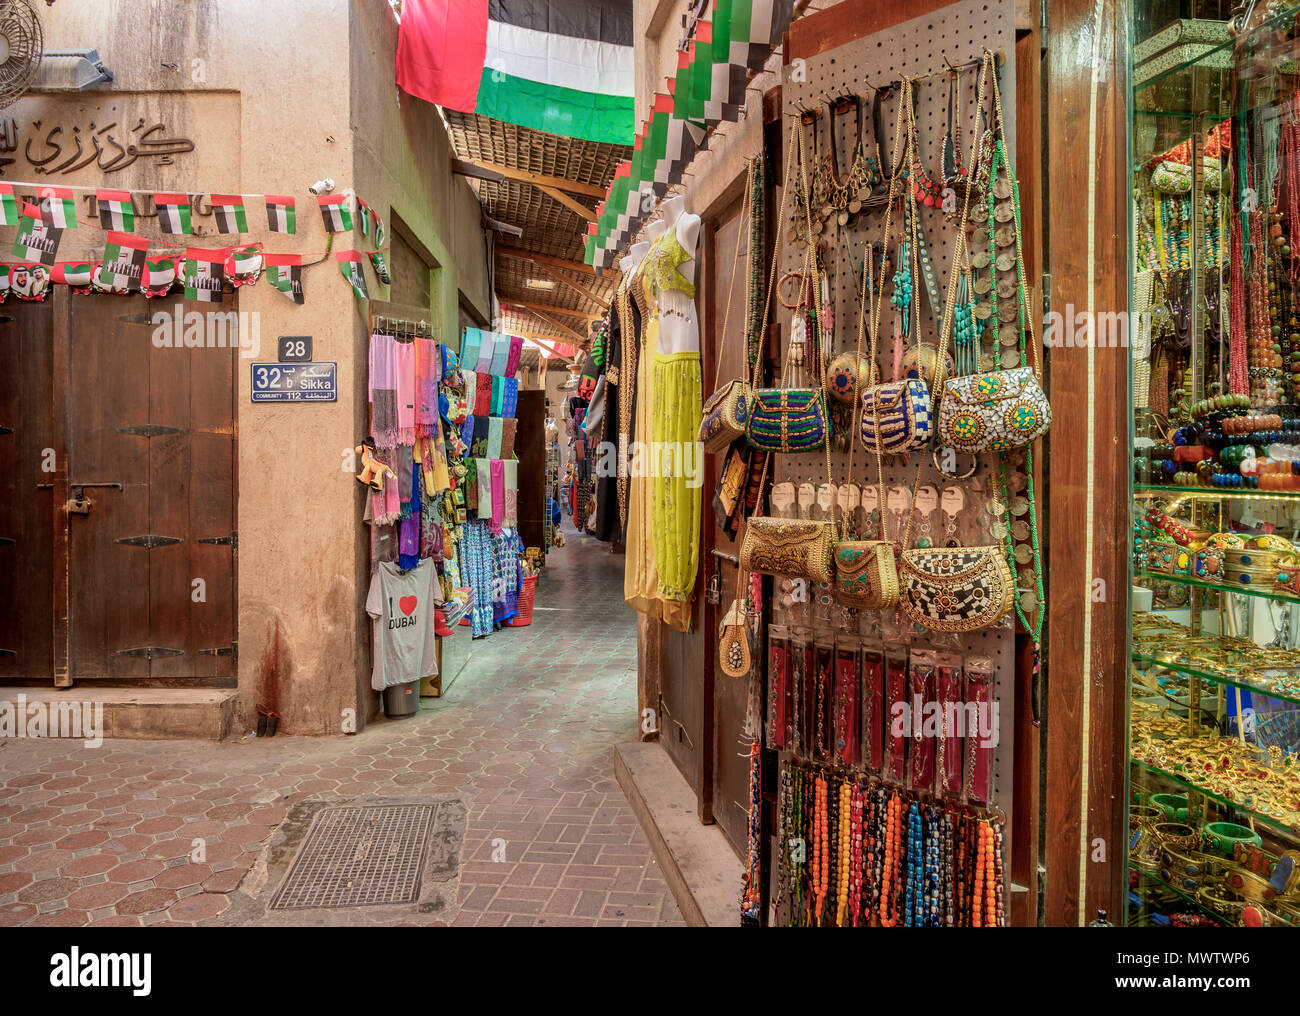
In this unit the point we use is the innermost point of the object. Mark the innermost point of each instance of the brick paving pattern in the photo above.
(103, 837)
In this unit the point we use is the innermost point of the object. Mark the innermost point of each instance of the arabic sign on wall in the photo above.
(38, 148)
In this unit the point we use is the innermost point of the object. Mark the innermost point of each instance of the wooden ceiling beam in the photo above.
(495, 172)
(578, 209)
(545, 259)
(549, 308)
(556, 324)
(577, 287)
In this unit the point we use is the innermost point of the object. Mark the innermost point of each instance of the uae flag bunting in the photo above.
(8, 205)
(204, 274)
(159, 275)
(562, 66)
(244, 266)
(350, 265)
(363, 218)
(380, 266)
(229, 212)
(124, 255)
(281, 213)
(72, 273)
(37, 239)
(173, 213)
(334, 211)
(58, 207)
(115, 210)
(284, 272)
(381, 235)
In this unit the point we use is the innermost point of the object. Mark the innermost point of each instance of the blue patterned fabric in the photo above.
(510, 399)
(477, 571)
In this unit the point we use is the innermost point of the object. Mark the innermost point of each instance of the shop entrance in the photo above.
(117, 457)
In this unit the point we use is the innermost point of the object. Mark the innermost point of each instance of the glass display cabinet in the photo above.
(1214, 347)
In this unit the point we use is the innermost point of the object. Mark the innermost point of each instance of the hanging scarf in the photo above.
(431, 528)
(403, 466)
(510, 400)
(483, 395)
(500, 356)
(512, 360)
(467, 431)
(469, 347)
(494, 437)
(383, 391)
(428, 375)
(386, 504)
(498, 395)
(404, 366)
(470, 485)
(498, 471)
(508, 438)
(478, 447)
(408, 539)
(485, 353)
(510, 516)
(484, 467)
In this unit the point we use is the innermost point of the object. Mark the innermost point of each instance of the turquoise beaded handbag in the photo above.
(787, 420)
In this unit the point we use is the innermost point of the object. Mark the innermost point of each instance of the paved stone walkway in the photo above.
(523, 736)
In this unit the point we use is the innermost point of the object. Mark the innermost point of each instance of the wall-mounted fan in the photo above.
(21, 46)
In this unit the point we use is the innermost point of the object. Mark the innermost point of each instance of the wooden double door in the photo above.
(117, 466)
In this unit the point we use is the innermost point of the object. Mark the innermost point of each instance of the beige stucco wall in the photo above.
(277, 95)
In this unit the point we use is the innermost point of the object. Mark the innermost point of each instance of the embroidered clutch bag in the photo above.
(866, 575)
(726, 413)
(801, 548)
(895, 417)
(956, 589)
(993, 412)
(787, 420)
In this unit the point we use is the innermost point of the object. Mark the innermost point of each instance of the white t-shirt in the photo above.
(405, 639)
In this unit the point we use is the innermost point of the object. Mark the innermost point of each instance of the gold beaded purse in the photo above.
(956, 589)
(800, 548)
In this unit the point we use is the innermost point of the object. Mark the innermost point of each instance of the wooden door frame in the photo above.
(1088, 477)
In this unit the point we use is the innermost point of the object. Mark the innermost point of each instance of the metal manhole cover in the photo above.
(359, 857)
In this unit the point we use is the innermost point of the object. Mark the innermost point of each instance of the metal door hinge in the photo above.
(222, 541)
(149, 430)
(1047, 293)
(150, 540)
(220, 651)
(1042, 26)
(151, 652)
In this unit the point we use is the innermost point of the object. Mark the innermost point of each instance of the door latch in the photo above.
(79, 504)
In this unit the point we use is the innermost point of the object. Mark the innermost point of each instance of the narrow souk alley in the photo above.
(517, 752)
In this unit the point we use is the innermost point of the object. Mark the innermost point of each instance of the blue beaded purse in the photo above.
(787, 420)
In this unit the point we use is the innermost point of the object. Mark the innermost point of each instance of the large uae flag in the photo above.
(563, 66)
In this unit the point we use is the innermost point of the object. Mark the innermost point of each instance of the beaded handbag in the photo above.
(956, 589)
(787, 420)
(895, 417)
(733, 641)
(800, 548)
(993, 412)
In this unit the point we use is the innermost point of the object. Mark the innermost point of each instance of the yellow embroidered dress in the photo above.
(671, 501)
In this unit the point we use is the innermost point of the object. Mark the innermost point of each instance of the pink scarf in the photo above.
(383, 394)
(386, 505)
(510, 517)
(428, 375)
(512, 361)
(404, 362)
(498, 496)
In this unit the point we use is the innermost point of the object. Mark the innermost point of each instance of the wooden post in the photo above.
(1088, 540)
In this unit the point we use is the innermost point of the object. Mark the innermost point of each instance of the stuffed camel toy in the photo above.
(373, 470)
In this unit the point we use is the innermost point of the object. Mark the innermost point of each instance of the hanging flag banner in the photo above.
(159, 275)
(204, 274)
(38, 239)
(363, 218)
(173, 213)
(244, 266)
(29, 282)
(124, 257)
(228, 209)
(8, 205)
(381, 235)
(58, 207)
(350, 265)
(562, 66)
(334, 211)
(381, 267)
(281, 214)
(284, 272)
(115, 210)
(75, 274)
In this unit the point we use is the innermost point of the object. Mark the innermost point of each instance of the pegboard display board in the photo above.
(922, 49)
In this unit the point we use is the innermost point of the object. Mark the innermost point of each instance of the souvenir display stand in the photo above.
(853, 670)
(1214, 680)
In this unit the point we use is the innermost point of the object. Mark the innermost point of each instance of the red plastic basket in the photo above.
(526, 592)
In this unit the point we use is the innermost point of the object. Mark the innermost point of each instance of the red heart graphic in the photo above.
(407, 603)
